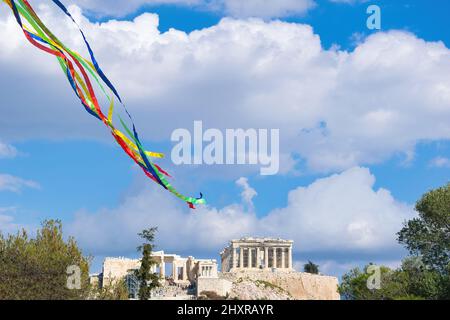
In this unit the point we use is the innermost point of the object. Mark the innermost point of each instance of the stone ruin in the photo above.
(251, 268)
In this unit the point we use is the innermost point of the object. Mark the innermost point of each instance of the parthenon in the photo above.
(252, 259)
(257, 253)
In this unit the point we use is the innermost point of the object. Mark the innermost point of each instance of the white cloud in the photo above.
(248, 193)
(336, 109)
(123, 8)
(339, 214)
(15, 184)
(235, 8)
(266, 8)
(7, 151)
(114, 231)
(440, 162)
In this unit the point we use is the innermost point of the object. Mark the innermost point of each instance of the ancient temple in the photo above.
(257, 253)
(252, 259)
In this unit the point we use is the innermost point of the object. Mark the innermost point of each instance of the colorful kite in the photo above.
(72, 65)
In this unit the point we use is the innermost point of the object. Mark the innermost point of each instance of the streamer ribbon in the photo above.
(81, 74)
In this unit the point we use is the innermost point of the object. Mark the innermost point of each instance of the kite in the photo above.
(81, 73)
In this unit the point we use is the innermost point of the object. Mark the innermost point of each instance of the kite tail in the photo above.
(81, 73)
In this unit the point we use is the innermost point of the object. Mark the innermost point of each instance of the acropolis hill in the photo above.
(251, 268)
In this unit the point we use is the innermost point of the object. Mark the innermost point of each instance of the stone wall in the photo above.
(117, 268)
(220, 286)
(300, 286)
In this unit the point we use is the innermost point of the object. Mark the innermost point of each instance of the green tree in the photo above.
(412, 281)
(420, 280)
(147, 280)
(354, 284)
(115, 291)
(429, 235)
(425, 275)
(37, 268)
(310, 267)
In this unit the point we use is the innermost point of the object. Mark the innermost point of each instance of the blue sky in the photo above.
(79, 176)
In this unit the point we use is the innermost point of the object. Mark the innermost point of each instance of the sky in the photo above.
(363, 117)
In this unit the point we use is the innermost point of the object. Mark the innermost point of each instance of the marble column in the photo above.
(174, 271)
(185, 277)
(241, 258)
(274, 264)
(258, 257)
(266, 257)
(162, 268)
(290, 258)
(283, 263)
(234, 258)
(249, 260)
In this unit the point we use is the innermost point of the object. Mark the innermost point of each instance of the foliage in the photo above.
(426, 274)
(272, 286)
(210, 295)
(147, 280)
(412, 281)
(36, 268)
(269, 285)
(354, 284)
(429, 235)
(115, 291)
(310, 267)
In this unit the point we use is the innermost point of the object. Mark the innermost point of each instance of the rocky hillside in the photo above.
(282, 286)
(247, 289)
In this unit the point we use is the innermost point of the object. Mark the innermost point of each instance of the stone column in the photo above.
(266, 257)
(283, 264)
(174, 271)
(274, 264)
(234, 257)
(249, 260)
(185, 277)
(241, 258)
(258, 257)
(290, 258)
(162, 268)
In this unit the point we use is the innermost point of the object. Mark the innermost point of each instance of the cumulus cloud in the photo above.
(336, 109)
(342, 213)
(248, 193)
(16, 184)
(7, 151)
(115, 231)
